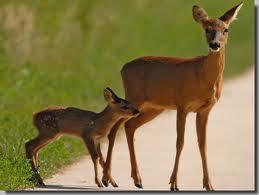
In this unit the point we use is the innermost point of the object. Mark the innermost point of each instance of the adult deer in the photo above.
(153, 84)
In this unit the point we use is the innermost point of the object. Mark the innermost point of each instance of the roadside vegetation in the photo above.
(66, 53)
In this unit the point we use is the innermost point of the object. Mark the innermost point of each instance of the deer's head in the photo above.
(119, 105)
(216, 30)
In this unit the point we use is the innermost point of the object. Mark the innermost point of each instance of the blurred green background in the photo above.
(66, 52)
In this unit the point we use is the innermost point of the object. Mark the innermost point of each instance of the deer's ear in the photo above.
(231, 14)
(199, 14)
(109, 95)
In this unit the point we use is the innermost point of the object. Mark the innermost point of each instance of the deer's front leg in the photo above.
(201, 127)
(101, 161)
(180, 126)
(107, 166)
(130, 128)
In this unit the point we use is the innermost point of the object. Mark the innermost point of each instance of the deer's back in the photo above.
(63, 120)
(165, 82)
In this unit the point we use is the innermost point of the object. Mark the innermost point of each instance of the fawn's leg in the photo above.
(130, 128)
(32, 147)
(201, 128)
(180, 128)
(101, 161)
(35, 156)
(107, 166)
(91, 146)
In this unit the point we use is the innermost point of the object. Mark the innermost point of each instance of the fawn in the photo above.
(54, 121)
(153, 84)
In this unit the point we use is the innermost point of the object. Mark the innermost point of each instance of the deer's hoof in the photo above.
(174, 189)
(105, 182)
(207, 185)
(138, 185)
(137, 180)
(40, 185)
(173, 182)
(99, 183)
(114, 184)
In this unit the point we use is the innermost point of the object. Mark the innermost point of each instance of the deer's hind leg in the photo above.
(32, 148)
(91, 146)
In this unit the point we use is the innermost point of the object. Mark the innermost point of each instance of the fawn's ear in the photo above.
(199, 14)
(231, 14)
(109, 95)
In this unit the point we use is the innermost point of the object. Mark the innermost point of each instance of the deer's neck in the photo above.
(213, 66)
(107, 118)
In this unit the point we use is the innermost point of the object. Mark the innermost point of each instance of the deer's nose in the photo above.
(214, 45)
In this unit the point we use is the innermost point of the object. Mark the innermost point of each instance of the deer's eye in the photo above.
(207, 30)
(225, 31)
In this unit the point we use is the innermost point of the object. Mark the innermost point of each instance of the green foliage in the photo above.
(66, 53)
(15, 171)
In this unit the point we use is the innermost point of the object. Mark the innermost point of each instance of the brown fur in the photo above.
(54, 121)
(153, 84)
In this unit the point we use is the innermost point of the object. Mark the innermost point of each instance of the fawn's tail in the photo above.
(36, 119)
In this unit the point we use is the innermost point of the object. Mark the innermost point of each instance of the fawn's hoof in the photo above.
(174, 189)
(138, 185)
(98, 182)
(39, 182)
(105, 183)
(40, 185)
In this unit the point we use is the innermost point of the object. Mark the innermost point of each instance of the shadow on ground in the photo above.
(69, 187)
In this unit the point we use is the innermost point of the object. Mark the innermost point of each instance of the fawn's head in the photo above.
(120, 106)
(216, 30)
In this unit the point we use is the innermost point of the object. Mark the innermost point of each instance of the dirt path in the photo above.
(230, 149)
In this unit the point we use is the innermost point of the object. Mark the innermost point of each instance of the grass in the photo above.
(54, 53)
